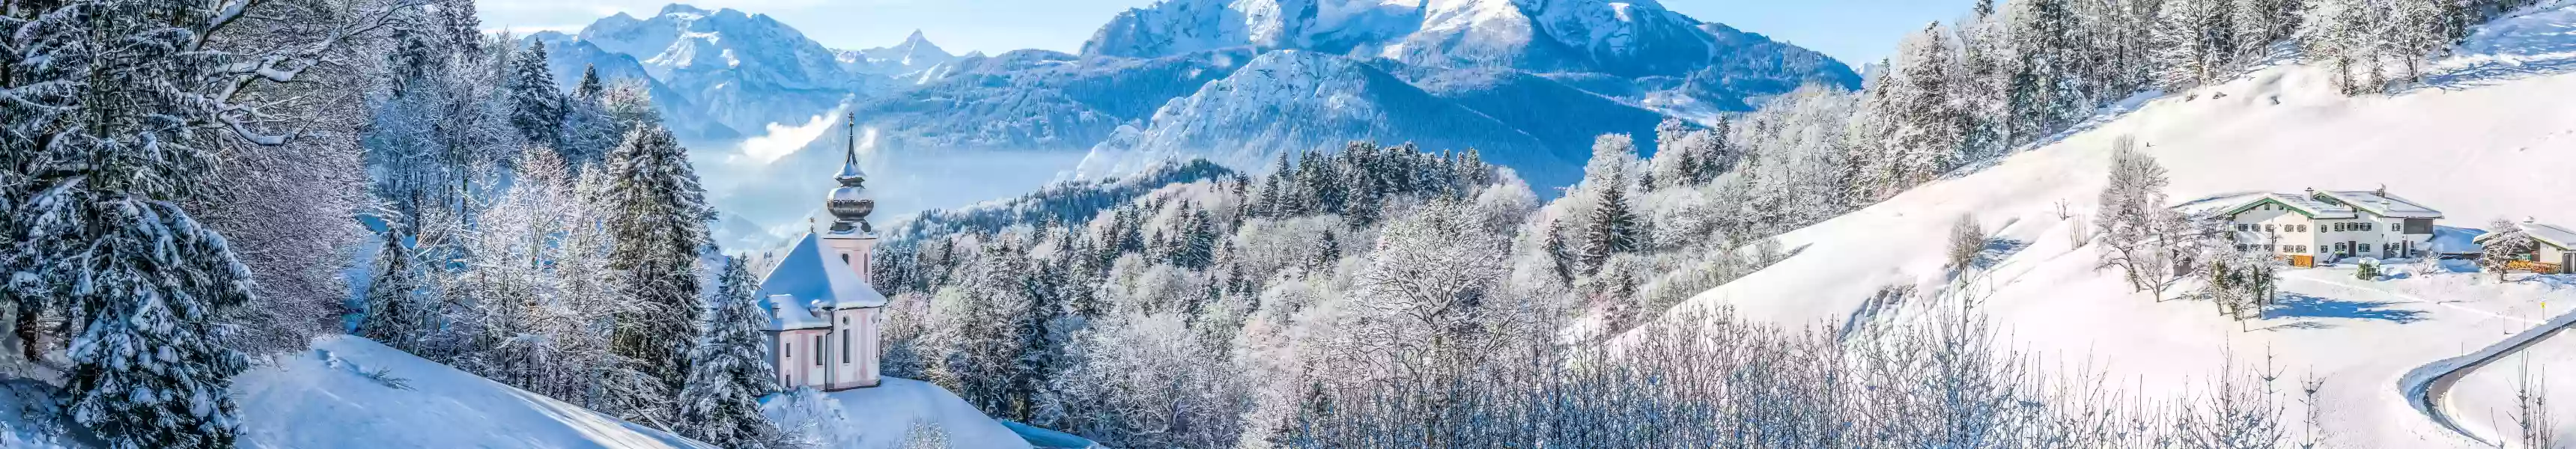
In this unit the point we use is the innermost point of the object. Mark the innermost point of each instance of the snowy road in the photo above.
(2427, 387)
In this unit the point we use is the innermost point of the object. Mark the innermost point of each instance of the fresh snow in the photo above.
(880, 417)
(326, 397)
(2492, 138)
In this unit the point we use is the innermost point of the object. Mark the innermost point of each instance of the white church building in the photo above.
(825, 316)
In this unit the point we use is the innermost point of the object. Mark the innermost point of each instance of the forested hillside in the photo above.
(1338, 302)
(196, 186)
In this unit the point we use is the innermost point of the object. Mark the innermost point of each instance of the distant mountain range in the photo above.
(1527, 83)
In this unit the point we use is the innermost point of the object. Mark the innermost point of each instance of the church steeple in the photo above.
(851, 203)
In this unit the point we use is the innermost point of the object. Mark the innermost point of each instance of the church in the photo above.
(824, 315)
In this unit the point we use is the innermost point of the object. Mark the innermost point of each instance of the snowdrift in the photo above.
(2492, 137)
(328, 397)
(882, 417)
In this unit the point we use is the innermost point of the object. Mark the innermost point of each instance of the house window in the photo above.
(2341, 247)
(2396, 227)
(2364, 247)
(2270, 228)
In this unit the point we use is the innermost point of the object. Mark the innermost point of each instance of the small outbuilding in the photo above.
(2553, 250)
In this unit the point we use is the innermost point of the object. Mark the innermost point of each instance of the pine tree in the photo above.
(391, 316)
(1197, 247)
(146, 371)
(727, 371)
(536, 105)
(590, 89)
(1928, 126)
(1610, 228)
(658, 217)
(1559, 255)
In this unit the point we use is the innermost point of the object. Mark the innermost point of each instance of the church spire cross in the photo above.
(850, 175)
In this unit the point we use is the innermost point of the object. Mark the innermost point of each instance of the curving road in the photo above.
(2426, 387)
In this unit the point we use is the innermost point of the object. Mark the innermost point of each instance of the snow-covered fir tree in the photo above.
(394, 314)
(119, 114)
(657, 215)
(590, 89)
(727, 372)
(536, 104)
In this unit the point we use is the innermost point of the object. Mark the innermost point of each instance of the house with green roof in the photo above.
(2323, 226)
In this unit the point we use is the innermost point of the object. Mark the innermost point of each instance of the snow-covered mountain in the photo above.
(567, 56)
(1528, 83)
(1631, 38)
(1172, 27)
(906, 60)
(745, 71)
(1290, 100)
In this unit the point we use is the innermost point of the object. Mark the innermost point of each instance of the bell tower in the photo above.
(853, 340)
(851, 237)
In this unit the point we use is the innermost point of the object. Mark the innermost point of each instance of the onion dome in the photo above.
(851, 203)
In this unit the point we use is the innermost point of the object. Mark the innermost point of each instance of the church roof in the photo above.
(808, 280)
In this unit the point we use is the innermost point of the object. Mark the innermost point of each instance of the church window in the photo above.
(818, 350)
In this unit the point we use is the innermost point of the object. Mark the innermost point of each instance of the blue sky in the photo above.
(1856, 31)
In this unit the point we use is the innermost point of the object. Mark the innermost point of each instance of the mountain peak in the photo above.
(915, 53)
(681, 8)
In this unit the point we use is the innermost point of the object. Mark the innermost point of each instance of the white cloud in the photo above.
(783, 140)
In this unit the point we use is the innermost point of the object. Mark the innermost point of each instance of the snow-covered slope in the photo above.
(882, 417)
(348, 392)
(2494, 138)
(326, 397)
